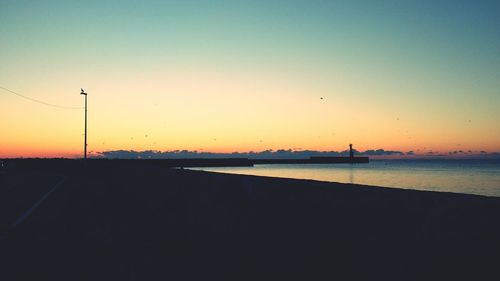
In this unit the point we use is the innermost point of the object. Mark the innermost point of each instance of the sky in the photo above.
(224, 76)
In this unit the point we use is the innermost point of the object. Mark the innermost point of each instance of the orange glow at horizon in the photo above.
(228, 111)
(215, 121)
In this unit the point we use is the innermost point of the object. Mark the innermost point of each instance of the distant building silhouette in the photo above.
(351, 152)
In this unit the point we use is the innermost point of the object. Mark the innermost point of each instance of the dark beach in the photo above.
(137, 220)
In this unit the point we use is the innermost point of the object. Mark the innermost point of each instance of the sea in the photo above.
(470, 176)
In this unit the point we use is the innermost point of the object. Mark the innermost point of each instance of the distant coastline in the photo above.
(288, 154)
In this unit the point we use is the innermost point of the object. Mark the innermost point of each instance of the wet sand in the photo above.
(144, 222)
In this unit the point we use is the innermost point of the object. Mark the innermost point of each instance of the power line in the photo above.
(39, 101)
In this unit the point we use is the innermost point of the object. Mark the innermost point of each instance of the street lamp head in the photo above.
(83, 92)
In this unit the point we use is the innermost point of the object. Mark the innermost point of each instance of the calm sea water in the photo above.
(453, 175)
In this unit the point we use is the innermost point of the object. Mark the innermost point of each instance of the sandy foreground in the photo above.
(145, 222)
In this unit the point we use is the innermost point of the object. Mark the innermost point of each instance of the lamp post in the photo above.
(85, 141)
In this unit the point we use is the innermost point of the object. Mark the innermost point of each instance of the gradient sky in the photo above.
(227, 76)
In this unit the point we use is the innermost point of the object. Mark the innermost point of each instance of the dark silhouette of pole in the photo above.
(351, 152)
(85, 141)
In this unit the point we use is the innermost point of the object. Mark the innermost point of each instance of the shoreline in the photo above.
(430, 177)
(337, 184)
(451, 178)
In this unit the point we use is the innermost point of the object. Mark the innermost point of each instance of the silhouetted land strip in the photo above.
(135, 220)
(165, 163)
(186, 162)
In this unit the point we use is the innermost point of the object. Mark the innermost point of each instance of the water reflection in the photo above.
(463, 176)
(351, 175)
